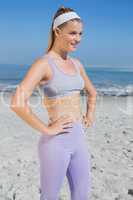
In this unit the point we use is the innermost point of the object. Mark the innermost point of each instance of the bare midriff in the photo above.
(69, 105)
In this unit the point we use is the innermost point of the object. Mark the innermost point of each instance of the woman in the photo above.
(62, 148)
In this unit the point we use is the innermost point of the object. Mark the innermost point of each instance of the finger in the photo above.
(86, 126)
(85, 121)
(63, 132)
(84, 118)
(67, 126)
(89, 124)
(67, 122)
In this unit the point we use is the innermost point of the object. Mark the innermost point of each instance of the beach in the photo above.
(109, 141)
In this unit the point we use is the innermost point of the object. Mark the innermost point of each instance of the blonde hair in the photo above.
(51, 39)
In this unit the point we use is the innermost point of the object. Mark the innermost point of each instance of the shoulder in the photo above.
(37, 71)
(40, 61)
(41, 64)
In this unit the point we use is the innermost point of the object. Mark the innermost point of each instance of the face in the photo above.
(70, 35)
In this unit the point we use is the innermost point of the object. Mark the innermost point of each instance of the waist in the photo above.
(67, 105)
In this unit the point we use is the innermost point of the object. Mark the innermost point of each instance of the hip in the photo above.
(73, 135)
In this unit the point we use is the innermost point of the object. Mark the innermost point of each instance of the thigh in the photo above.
(79, 172)
(54, 161)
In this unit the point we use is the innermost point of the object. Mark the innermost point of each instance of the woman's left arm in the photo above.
(91, 94)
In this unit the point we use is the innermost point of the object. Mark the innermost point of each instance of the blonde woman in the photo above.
(62, 149)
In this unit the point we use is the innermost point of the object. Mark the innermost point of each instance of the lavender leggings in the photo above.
(63, 155)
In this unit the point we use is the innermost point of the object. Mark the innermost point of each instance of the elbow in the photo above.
(92, 93)
(20, 109)
(19, 102)
(15, 105)
(12, 105)
(95, 93)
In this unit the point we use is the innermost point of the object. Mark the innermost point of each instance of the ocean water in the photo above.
(111, 81)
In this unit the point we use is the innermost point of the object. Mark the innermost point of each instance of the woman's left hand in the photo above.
(88, 119)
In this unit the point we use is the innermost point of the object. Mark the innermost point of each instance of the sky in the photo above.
(107, 30)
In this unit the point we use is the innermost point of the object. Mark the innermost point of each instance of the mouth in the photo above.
(74, 45)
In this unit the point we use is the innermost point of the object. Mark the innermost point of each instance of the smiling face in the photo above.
(70, 35)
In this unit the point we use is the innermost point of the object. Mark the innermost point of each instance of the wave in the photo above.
(5, 88)
(114, 90)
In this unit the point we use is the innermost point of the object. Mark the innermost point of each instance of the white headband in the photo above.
(64, 18)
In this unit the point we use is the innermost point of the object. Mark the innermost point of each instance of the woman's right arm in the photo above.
(19, 101)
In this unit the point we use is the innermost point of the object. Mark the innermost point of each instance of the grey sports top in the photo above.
(61, 83)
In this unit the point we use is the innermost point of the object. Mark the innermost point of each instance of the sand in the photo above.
(110, 143)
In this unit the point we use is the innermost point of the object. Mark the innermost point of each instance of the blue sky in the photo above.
(107, 36)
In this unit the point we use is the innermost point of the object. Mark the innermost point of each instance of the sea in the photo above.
(108, 80)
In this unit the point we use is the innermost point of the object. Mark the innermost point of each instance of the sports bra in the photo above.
(62, 84)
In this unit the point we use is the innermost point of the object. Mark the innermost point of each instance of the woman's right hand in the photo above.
(60, 125)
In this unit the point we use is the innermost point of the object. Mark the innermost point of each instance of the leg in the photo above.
(78, 173)
(54, 161)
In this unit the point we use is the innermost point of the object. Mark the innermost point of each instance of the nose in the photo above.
(78, 38)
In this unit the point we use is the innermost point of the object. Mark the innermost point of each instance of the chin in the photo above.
(72, 49)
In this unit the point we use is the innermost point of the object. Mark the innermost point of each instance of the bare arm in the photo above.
(19, 102)
(91, 91)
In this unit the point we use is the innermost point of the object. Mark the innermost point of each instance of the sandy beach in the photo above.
(110, 143)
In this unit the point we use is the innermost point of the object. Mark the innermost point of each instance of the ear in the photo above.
(57, 31)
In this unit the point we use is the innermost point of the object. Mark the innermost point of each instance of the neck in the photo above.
(59, 53)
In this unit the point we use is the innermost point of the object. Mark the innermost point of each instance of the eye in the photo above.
(73, 33)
